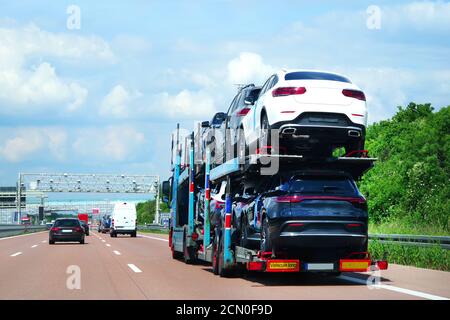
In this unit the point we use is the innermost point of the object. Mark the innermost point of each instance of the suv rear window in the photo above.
(320, 185)
(67, 223)
(312, 75)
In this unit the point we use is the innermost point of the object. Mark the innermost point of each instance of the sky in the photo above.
(98, 87)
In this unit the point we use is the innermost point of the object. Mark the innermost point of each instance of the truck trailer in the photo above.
(197, 233)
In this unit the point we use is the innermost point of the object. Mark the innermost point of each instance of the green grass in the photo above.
(403, 227)
(155, 231)
(423, 257)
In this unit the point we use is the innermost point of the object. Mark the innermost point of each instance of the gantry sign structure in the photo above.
(86, 183)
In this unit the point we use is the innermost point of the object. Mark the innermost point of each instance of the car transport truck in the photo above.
(306, 215)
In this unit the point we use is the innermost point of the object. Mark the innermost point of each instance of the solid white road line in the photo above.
(396, 289)
(21, 235)
(116, 252)
(34, 246)
(134, 268)
(16, 254)
(154, 238)
(108, 245)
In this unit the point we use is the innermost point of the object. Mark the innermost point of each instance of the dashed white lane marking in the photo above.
(34, 246)
(103, 240)
(134, 268)
(16, 254)
(108, 245)
(154, 238)
(396, 289)
(116, 252)
(44, 241)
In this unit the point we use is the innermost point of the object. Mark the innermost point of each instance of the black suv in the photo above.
(307, 211)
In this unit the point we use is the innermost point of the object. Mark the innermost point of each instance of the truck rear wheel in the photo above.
(175, 254)
(215, 256)
(188, 252)
(221, 270)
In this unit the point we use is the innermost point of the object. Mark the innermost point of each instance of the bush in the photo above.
(146, 211)
(410, 182)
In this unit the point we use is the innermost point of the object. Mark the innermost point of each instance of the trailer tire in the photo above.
(189, 256)
(224, 273)
(175, 254)
(215, 258)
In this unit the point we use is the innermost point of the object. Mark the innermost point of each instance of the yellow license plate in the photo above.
(282, 265)
(355, 265)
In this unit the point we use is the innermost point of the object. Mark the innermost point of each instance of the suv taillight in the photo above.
(354, 94)
(55, 229)
(242, 112)
(287, 91)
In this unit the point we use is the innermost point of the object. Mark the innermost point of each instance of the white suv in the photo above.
(313, 110)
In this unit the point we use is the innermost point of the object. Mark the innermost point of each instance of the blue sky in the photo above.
(105, 97)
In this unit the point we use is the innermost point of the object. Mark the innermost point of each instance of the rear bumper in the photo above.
(123, 231)
(320, 128)
(68, 237)
(319, 240)
(314, 234)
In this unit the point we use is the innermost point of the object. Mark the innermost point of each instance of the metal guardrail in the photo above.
(412, 240)
(7, 230)
(152, 227)
(409, 240)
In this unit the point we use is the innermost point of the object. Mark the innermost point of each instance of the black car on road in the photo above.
(66, 229)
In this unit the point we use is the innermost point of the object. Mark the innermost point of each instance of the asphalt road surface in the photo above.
(142, 268)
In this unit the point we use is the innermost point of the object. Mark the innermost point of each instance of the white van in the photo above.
(123, 219)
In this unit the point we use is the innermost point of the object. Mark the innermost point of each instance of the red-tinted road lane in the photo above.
(142, 268)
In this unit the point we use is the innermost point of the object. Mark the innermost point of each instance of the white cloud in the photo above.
(430, 16)
(27, 143)
(37, 88)
(117, 102)
(185, 104)
(127, 44)
(248, 67)
(18, 148)
(20, 90)
(110, 144)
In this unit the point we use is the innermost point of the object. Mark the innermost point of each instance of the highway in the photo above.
(142, 268)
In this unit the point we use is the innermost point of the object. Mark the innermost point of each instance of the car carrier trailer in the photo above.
(186, 241)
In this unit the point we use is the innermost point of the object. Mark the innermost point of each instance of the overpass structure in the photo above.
(43, 183)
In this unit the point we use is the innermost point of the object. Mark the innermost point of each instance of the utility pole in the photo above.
(157, 201)
(19, 199)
